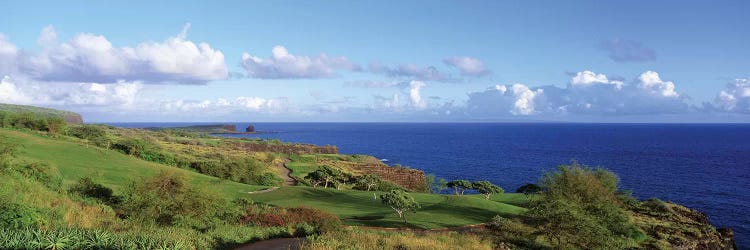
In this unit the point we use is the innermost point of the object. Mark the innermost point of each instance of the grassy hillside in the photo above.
(44, 112)
(108, 167)
(116, 170)
(360, 207)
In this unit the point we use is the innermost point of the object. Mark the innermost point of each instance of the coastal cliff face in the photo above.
(408, 178)
(73, 118)
(284, 148)
(672, 226)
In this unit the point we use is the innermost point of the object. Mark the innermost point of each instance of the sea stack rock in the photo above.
(250, 129)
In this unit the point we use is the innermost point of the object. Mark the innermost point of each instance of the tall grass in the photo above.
(365, 240)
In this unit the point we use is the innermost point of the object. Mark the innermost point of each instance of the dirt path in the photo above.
(264, 190)
(286, 173)
(275, 244)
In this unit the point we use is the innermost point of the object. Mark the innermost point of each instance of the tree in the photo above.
(486, 188)
(368, 182)
(435, 185)
(579, 208)
(459, 186)
(441, 185)
(529, 189)
(326, 175)
(400, 201)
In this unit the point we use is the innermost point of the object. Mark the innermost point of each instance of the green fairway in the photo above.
(108, 167)
(116, 170)
(360, 207)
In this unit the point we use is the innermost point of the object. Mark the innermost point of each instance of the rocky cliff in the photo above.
(286, 148)
(672, 226)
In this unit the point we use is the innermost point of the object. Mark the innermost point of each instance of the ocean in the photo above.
(702, 166)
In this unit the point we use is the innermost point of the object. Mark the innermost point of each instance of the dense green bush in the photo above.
(18, 215)
(170, 200)
(85, 187)
(28, 120)
(42, 172)
(240, 169)
(94, 133)
(135, 147)
(580, 208)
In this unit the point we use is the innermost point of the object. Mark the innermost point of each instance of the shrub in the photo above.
(579, 208)
(93, 133)
(529, 189)
(18, 215)
(87, 188)
(41, 172)
(284, 217)
(168, 199)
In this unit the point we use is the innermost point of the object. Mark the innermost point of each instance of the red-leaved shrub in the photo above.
(275, 217)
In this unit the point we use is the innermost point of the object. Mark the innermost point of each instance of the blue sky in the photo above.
(586, 61)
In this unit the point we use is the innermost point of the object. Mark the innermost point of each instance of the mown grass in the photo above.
(111, 168)
(360, 207)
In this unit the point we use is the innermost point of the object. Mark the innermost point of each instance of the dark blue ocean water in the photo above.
(706, 167)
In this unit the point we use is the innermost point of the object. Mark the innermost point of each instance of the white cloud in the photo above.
(93, 58)
(415, 96)
(525, 97)
(9, 93)
(467, 65)
(588, 78)
(652, 83)
(25, 91)
(735, 97)
(501, 100)
(282, 65)
(588, 93)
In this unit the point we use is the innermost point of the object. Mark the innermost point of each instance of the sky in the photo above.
(380, 61)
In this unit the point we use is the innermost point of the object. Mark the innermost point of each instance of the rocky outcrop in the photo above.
(250, 129)
(674, 226)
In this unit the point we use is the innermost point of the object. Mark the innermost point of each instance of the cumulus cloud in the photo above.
(26, 91)
(222, 105)
(467, 65)
(414, 94)
(588, 78)
(621, 50)
(735, 97)
(93, 58)
(501, 100)
(587, 93)
(650, 82)
(283, 65)
(410, 71)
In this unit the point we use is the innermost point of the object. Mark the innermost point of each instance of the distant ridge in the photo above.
(69, 117)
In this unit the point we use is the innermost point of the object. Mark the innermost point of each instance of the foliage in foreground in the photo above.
(366, 240)
(145, 238)
(580, 208)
